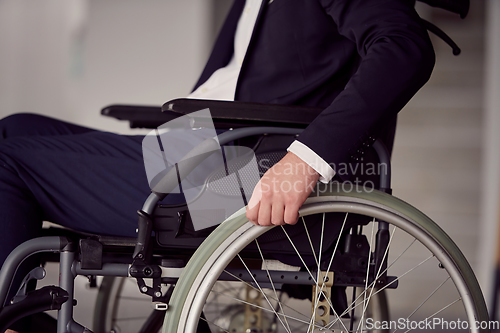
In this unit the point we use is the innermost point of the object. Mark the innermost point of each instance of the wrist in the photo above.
(302, 167)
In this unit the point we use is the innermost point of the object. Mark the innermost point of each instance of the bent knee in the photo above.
(21, 124)
(28, 124)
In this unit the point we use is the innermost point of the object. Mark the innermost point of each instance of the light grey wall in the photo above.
(69, 58)
(490, 181)
(438, 146)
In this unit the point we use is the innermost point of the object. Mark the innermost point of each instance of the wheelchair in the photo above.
(349, 264)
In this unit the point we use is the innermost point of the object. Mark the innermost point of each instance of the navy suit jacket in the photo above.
(361, 60)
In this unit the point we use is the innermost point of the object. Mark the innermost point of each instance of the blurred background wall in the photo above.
(69, 58)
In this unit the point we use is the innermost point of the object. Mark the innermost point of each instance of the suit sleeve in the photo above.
(397, 59)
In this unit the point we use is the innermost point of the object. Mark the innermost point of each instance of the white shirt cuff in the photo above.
(312, 159)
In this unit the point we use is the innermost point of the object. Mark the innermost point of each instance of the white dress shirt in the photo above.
(222, 85)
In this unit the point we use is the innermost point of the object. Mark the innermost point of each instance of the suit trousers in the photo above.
(74, 176)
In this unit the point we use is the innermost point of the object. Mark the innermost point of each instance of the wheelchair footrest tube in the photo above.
(44, 299)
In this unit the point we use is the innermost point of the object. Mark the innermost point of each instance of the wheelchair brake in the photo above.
(142, 267)
(37, 273)
(44, 299)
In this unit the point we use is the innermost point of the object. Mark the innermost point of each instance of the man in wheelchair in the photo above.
(358, 61)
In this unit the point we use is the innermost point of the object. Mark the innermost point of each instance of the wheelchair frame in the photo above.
(60, 297)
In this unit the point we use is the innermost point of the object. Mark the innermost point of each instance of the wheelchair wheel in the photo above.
(120, 308)
(369, 252)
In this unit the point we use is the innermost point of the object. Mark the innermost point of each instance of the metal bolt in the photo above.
(144, 289)
(158, 294)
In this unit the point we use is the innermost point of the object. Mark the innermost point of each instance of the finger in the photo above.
(277, 213)
(264, 218)
(252, 214)
(256, 196)
(291, 214)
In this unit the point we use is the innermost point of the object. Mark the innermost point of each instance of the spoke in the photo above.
(314, 254)
(444, 308)
(248, 284)
(399, 256)
(383, 259)
(349, 308)
(399, 277)
(310, 242)
(272, 284)
(351, 319)
(297, 251)
(365, 300)
(263, 294)
(318, 273)
(437, 312)
(310, 274)
(270, 311)
(383, 288)
(321, 247)
(223, 288)
(208, 322)
(385, 256)
(337, 243)
(338, 318)
(377, 276)
(428, 297)
(234, 290)
(352, 305)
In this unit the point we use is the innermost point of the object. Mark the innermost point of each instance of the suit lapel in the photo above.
(224, 45)
(255, 32)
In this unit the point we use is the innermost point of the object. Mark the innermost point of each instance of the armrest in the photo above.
(225, 114)
(229, 114)
(139, 116)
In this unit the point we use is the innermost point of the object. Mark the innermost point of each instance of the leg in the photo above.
(92, 182)
(23, 216)
(30, 124)
(67, 174)
(70, 175)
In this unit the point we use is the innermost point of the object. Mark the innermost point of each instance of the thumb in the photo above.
(256, 196)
